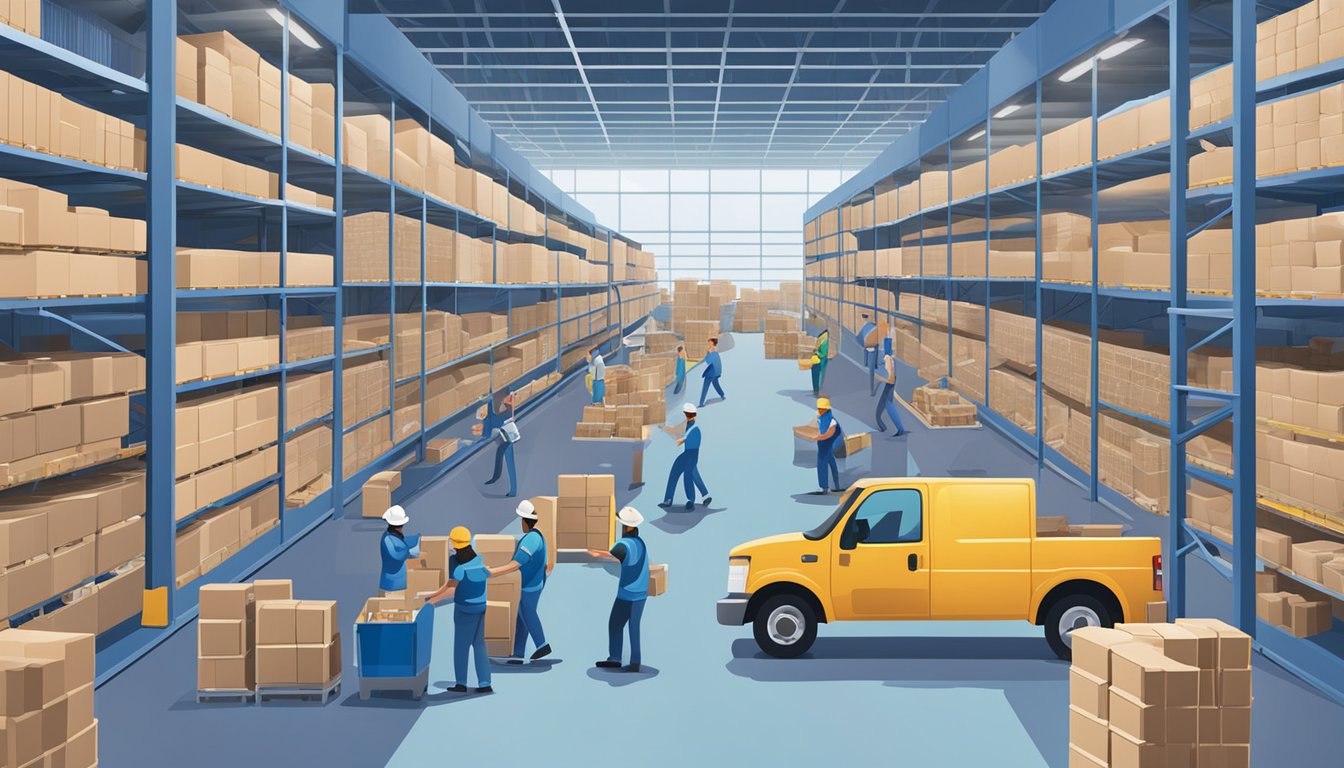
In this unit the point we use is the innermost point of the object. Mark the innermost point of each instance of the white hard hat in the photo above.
(689, 408)
(395, 515)
(526, 510)
(629, 517)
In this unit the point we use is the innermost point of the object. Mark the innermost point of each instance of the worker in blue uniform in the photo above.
(498, 424)
(829, 433)
(866, 335)
(681, 369)
(713, 370)
(395, 549)
(632, 592)
(686, 466)
(886, 402)
(597, 368)
(530, 558)
(466, 585)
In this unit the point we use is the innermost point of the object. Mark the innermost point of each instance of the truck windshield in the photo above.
(824, 530)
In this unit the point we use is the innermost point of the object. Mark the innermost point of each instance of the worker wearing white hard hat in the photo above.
(686, 466)
(530, 559)
(395, 549)
(632, 592)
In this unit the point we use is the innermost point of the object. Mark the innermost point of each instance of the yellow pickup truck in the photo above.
(936, 548)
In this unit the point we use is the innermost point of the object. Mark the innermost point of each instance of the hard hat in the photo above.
(395, 515)
(526, 510)
(459, 537)
(629, 517)
(690, 408)
(823, 403)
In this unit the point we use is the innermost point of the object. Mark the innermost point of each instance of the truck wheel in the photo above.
(785, 626)
(1070, 613)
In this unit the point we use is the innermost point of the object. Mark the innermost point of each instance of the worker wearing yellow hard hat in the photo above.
(828, 434)
(466, 585)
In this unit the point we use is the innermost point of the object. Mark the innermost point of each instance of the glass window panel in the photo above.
(690, 212)
(752, 263)
(607, 208)
(752, 250)
(690, 181)
(795, 236)
(782, 213)
(782, 274)
(823, 180)
(734, 180)
(597, 180)
(784, 180)
(753, 237)
(781, 249)
(643, 180)
(780, 262)
(737, 213)
(644, 212)
(564, 179)
(689, 237)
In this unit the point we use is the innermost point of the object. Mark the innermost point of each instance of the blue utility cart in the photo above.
(394, 655)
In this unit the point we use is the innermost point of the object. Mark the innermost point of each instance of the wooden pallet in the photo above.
(58, 468)
(241, 695)
(319, 694)
(923, 419)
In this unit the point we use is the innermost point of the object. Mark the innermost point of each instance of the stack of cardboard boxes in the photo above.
(23, 15)
(213, 537)
(207, 169)
(307, 465)
(1294, 613)
(226, 638)
(215, 344)
(585, 512)
(1311, 34)
(217, 268)
(943, 407)
(308, 397)
(366, 390)
(1160, 695)
(1300, 255)
(377, 492)
(502, 592)
(46, 121)
(298, 644)
(362, 445)
(47, 711)
(429, 572)
(225, 443)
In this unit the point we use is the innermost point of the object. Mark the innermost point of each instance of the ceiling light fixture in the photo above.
(297, 31)
(1109, 52)
(1008, 110)
(975, 135)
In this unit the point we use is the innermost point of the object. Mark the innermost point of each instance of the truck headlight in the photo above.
(737, 574)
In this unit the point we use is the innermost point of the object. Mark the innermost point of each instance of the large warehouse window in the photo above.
(729, 224)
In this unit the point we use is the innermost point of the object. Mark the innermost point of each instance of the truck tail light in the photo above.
(1157, 573)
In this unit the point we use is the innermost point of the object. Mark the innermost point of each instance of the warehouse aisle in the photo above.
(705, 691)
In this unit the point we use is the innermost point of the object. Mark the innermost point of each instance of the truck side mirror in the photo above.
(856, 531)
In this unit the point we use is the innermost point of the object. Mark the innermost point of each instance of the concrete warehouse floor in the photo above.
(934, 693)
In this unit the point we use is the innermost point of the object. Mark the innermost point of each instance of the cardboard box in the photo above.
(1143, 672)
(277, 622)
(1089, 693)
(273, 589)
(1092, 647)
(1089, 734)
(316, 622)
(223, 637)
(657, 579)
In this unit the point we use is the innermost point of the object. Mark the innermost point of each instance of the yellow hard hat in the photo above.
(823, 403)
(459, 537)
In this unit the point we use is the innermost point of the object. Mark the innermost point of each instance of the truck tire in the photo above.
(1069, 613)
(785, 626)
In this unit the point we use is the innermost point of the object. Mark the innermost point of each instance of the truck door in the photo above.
(881, 558)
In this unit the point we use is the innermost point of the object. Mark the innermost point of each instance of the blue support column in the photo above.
(161, 315)
(424, 309)
(989, 284)
(1093, 386)
(284, 254)
(338, 312)
(1179, 88)
(1040, 396)
(1243, 314)
(947, 266)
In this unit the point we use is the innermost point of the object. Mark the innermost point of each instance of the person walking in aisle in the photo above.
(498, 424)
(466, 586)
(886, 402)
(867, 333)
(529, 557)
(686, 466)
(597, 368)
(713, 370)
(395, 549)
(632, 592)
(828, 434)
(821, 354)
(681, 369)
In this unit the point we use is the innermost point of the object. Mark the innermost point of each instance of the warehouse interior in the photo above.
(318, 313)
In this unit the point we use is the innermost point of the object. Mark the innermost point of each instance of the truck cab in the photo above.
(901, 549)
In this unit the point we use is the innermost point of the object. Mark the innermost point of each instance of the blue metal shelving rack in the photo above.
(371, 51)
(1192, 320)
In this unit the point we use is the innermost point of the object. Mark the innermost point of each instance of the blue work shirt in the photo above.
(713, 366)
(395, 551)
(824, 423)
(470, 578)
(681, 367)
(692, 438)
(634, 557)
(531, 558)
(867, 328)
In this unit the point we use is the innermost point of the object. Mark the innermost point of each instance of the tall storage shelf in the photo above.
(1041, 245)
(322, 209)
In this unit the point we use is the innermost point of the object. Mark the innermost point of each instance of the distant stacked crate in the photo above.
(307, 465)
(943, 407)
(46, 121)
(217, 268)
(216, 344)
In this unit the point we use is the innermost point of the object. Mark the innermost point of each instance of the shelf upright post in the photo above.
(989, 285)
(1243, 314)
(1036, 285)
(947, 268)
(1178, 80)
(1093, 385)
(338, 309)
(161, 315)
(424, 314)
(392, 263)
(284, 253)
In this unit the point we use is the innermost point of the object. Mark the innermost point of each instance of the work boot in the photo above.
(608, 664)
(459, 688)
(631, 668)
(542, 652)
(485, 689)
